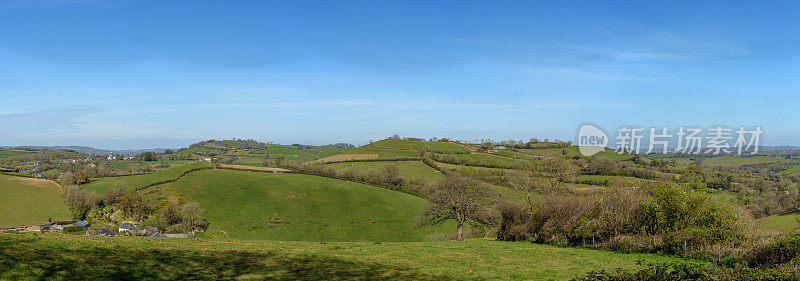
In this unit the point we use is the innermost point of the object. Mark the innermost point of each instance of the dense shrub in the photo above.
(388, 176)
(79, 200)
(691, 271)
(661, 217)
(73, 229)
(610, 167)
(779, 252)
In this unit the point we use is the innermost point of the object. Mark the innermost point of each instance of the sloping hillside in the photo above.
(101, 185)
(277, 206)
(27, 201)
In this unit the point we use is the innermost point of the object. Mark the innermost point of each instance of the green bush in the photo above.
(73, 229)
(691, 271)
(652, 218)
(779, 252)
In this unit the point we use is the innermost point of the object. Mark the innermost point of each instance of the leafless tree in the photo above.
(460, 199)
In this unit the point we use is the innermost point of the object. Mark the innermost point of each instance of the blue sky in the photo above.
(138, 74)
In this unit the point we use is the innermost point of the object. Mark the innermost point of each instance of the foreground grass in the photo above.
(62, 257)
(27, 201)
(283, 206)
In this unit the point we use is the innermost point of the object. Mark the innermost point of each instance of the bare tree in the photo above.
(460, 199)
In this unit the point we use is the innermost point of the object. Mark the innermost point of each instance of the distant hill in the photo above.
(88, 150)
(780, 148)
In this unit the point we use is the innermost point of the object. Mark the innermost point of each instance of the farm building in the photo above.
(127, 227)
(59, 225)
(106, 232)
(179, 235)
(85, 224)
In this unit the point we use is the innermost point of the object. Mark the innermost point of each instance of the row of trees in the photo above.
(388, 176)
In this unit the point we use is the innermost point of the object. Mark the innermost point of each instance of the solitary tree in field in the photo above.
(460, 199)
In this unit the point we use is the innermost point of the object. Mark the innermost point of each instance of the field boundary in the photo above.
(252, 168)
(176, 179)
(346, 157)
(376, 160)
(423, 149)
(17, 175)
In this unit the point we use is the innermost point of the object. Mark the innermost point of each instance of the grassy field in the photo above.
(11, 153)
(394, 149)
(287, 150)
(200, 151)
(679, 159)
(440, 147)
(786, 223)
(100, 185)
(735, 161)
(492, 160)
(611, 180)
(410, 170)
(274, 206)
(792, 170)
(572, 151)
(62, 257)
(28, 201)
(383, 153)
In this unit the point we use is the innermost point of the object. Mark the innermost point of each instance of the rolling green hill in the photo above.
(435, 146)
(410, 170)
(12, 153)
(100, 185)
(735, 161)
(383, 153)
(28, 201)
(288, 150)
(572, 151)
(276, 206)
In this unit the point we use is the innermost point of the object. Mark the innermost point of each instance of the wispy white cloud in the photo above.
(45, 122)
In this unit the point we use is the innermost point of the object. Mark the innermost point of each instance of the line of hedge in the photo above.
(179, 177)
